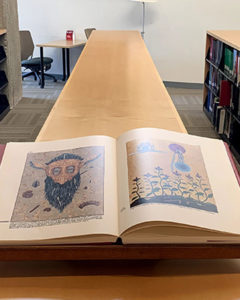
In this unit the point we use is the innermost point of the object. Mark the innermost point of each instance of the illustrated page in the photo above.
(61, 188)
(175, 177)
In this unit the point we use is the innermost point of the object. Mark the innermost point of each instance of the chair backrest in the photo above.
(26, 44)
(88, 31)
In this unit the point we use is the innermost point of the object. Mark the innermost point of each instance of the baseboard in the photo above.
(183, 85)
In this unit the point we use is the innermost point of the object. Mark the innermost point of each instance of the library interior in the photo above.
(119, 149)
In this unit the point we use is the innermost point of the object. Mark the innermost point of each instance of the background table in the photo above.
(65, 46)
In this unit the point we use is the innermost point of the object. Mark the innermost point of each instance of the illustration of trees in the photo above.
(137, 189)
(152, 184)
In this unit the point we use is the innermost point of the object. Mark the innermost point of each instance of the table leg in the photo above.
(68, 63)
(64, 64)
(42, 67)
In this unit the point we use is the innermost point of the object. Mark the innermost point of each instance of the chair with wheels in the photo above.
(28, 62)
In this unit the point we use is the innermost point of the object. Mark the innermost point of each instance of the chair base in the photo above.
(51, 76)
(37, 76)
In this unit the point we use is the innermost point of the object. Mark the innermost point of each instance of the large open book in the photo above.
(148, 186)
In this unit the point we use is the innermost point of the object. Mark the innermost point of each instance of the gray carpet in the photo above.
(50, 92)
(24, 121)
(189, 103)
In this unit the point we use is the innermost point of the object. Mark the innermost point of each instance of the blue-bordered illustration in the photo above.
(166, 172)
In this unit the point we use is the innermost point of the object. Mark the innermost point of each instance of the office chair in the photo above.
(32, 63)
(88, 32)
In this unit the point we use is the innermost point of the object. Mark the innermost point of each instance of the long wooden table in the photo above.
(114, 87)
(116, 81)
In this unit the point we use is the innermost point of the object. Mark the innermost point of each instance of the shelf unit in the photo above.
(221, 95)
(10, 57)
(4, 103)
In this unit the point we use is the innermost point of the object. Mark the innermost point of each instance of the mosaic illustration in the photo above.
(163, 172)
(60, 187)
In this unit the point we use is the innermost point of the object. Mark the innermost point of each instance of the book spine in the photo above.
(221, 121)
(211, 49)
(225, 60)
(231, 63)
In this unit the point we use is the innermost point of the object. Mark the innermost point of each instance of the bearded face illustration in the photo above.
(62, 179)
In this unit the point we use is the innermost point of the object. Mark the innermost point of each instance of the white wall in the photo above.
(175, 29)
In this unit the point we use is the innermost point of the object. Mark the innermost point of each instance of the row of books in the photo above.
(215, 51)
(221, 118)
(225, 58)
(226, 92)
(214, 79)
(231, 63)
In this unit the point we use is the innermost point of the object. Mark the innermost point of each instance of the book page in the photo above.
(58, 189)
(175, 177)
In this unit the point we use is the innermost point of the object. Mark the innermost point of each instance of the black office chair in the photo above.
(32, 63)
(88, 32)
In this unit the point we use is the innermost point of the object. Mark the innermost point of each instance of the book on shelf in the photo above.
(211, 48)
(209, 101)
(215, 51)
(148, 186)
(238, 70)
(227, 123)
(227, 60)
(214, 119)
(235, 64)
(231, 63)
(234, 103)
(221, 113)
(214, 79)
(225, 93)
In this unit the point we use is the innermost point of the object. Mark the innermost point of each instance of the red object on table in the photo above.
(69, 35)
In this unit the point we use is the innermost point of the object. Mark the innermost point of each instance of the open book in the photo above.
(148, 186)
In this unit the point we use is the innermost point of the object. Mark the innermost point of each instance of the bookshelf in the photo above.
(221, 85)
(10, 57)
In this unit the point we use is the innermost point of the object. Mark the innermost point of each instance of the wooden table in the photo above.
(65, 46)
(114, 87)
(129, 280)
(116, 81)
